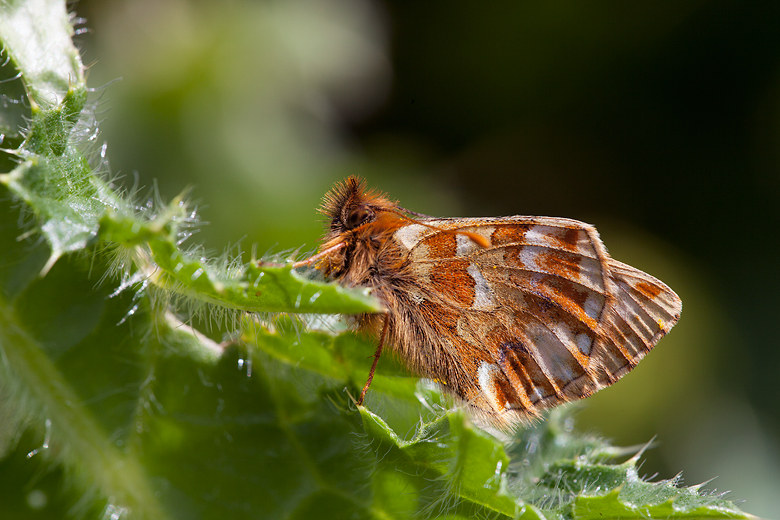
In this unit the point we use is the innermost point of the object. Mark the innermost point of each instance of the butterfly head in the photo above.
(358, 218)
(350, 206)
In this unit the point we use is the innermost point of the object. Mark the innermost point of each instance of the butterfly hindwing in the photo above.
(556, 318)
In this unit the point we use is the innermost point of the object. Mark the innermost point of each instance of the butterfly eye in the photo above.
(358, 217)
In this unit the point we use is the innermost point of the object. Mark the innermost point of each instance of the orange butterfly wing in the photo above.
(540, 317)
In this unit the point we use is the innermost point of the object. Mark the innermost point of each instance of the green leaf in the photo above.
(36, 35)
(253, 287)
(469, 465)
(52, 176)
(568, 474)
(33, 378)
(685, 504)
(56, 182)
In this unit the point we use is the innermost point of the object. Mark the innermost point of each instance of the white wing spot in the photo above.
(583, 343)
(485, 375)
(483, 295)
(593, 305)
(410, 235)
(534, 236)
(527, 257)
(465, 245)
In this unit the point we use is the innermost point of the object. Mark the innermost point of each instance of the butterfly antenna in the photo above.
(315, 258)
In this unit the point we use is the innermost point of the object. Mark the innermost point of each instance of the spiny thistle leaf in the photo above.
(469, 464)
(253, 287)
(36, 35)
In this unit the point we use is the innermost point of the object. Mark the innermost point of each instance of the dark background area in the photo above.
(658, 122)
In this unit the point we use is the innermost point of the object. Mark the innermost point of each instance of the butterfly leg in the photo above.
(376, 359)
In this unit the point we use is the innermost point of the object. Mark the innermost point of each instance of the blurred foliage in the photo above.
(170, 422)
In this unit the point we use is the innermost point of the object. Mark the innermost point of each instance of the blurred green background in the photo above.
(659, 122)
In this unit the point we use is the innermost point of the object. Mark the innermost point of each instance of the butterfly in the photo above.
(510, 315)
